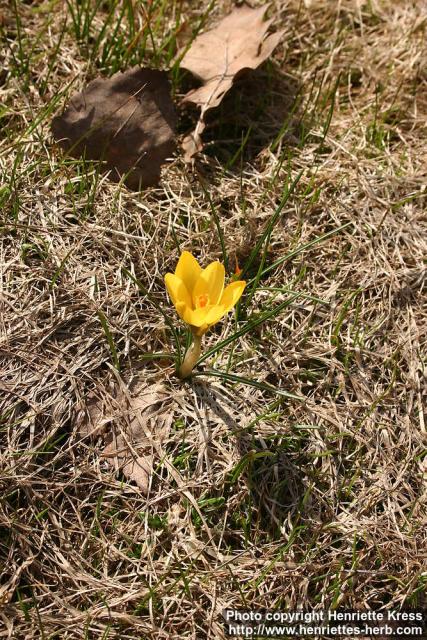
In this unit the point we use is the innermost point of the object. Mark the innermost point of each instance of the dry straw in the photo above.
(256, 500)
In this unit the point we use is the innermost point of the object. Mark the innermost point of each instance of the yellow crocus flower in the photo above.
(200, 299)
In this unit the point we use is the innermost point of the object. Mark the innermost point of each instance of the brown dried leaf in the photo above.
(127, 121)
(217, 57)
(142, 415)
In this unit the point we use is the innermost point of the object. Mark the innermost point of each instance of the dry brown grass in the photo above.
(334, 510)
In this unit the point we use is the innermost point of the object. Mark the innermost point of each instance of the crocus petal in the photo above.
(232, 294)
(178, 294)
(195, 317)
(210, 282)
(188, 270)
(215, 313)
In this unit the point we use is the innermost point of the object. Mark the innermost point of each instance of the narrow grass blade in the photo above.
(159, 309)
(110, 340)
(157, 356)
(304, 247)
(247, 327)
(231, 377)
(217, 225)
(268, 230)
(300, 294)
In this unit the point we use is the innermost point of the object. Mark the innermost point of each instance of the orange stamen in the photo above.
(203, 300)
(238, 270)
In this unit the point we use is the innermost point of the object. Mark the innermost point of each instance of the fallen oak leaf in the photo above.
(147, 413)
(161, 417)
(140, 416)
(127, 121)
(93, 420)
(219, 56)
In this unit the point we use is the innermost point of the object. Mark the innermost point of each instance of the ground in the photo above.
(307, 490)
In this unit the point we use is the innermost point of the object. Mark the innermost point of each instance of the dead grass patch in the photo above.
(255, 502)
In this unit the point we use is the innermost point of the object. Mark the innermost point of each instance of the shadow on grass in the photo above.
(259, 110)
(275, 486)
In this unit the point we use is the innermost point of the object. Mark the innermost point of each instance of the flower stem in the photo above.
(191, 357)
